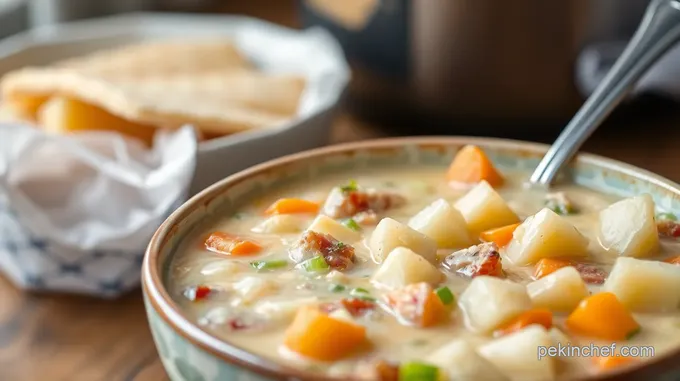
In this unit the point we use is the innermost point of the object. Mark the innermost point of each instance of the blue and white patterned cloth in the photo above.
(88, 246)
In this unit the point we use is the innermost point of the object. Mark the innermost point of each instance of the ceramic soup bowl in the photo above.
(190, 353)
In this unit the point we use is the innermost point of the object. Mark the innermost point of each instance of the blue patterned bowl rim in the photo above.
(635, 180)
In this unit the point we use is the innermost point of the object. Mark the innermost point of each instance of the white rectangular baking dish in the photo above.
(220, 157)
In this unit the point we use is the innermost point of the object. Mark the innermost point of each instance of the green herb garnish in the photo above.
(559, 203)
(352, 186)
(632, 333)
(336, 288)
(238, 216)
(269, 265)
(445, 295)
(362, 293)
(350, 223)
(418, 371)
(666, 216)
(317, 264)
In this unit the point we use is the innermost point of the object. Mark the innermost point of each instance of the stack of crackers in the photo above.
(137, 89)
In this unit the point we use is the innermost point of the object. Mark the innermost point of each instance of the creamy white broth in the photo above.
(388, 338)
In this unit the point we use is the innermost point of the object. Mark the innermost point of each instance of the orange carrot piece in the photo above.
(673, 260)
(245, 248)
(540, 316)
(434, 310)
(316, 335)
(293, 206)
(500, 236)
(417, 304)
(471, 165)
(606, 363)
(602, 316)
(548, 266)
(223, 243)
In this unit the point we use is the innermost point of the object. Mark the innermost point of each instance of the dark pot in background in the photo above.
(487, 64)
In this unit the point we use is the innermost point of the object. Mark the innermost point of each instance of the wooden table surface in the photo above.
(68, 338)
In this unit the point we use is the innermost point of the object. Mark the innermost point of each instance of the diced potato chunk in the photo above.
(462, 363)
(559, 337)
(560, 291)
(252, 288)
(627, 228)
(280, 224)
(489, 302)
(220, 269)
(282, 310)
(483, 208)
(646, 286)
(516, 355)
(403, 267)
(443, 223)
(545, 235)
(327, 225)
(390, 234)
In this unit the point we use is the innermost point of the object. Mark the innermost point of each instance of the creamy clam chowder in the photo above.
(427, 273)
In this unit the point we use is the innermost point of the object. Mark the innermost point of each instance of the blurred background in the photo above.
(515, 69)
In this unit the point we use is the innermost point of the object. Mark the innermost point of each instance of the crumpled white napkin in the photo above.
(76, 212)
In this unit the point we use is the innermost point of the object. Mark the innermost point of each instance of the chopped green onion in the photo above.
(351, 187)
(445, 295)
(418, 371)
(238, 216)
(359, 290)
(632, 333)
(350, 223)
(666, 216)
(336, 288)
(317, 264)
(561, 209)
(269, 265)
(362, 293)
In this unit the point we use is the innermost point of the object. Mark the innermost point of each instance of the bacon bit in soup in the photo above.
(591, 274)
(223, 243)
(362, 205)
(293, 206)
(238, 324)
(416, 304)
(668, 228)
(197, 293)
(337, 255)
(673, 260)
(357, 307)
(559, 203)
(385, 371)
(482, 259)
(539, 316)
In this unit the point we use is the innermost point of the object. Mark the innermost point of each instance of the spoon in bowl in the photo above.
(657, 33)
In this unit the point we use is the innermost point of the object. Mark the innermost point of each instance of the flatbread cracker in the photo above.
(168, 84)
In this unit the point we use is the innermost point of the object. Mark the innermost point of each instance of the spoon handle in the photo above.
(658, 31)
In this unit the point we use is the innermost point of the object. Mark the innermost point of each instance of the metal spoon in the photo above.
(657, 33)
